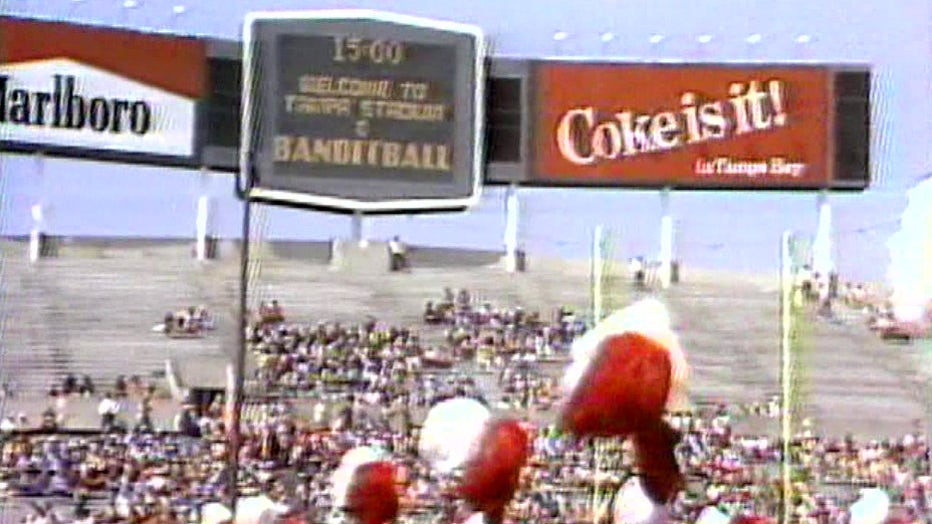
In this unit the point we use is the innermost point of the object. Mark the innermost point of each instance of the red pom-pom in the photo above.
(623, 391)
(656, 460)
(751, 519)
(900, 519)
(493, 470)
(372, 496)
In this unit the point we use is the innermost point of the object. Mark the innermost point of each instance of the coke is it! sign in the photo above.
(693, 126)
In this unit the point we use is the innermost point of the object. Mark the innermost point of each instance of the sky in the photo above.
(727, 230)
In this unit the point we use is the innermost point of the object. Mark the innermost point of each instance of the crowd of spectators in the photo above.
(876, 306)
(135, 476)
(369, 384)
(509, 342)
(189, 322)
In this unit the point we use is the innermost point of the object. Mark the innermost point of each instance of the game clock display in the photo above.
(364, 113)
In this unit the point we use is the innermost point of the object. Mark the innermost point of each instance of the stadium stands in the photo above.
(92, 311)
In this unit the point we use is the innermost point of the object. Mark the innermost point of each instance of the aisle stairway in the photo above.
(95, 317)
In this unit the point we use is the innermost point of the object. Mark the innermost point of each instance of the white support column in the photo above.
(204, 220)
(667, 234)
(203, 227)
(357, 229)
(35, 236)
(786, 364)
(512, 229)
(38, 212)
(823, 261)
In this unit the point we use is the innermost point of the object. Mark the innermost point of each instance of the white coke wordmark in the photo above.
(627, 134)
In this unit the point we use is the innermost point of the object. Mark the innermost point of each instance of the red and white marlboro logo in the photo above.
(63, 103)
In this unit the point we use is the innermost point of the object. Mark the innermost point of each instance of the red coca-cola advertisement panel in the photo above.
(691, 126)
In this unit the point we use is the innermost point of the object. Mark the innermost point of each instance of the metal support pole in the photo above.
(823, 261)
(239, 362)
(512, 228)
(598, 265)
(786, 370)
(666, 239)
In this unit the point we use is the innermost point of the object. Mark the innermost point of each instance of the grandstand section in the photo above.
(92, 312)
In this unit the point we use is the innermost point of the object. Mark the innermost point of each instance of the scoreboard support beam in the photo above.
(202, 227)
(514, 233)
(203, 224)
(37, 234)
(38, 212)
(357, 233)
(823, 261)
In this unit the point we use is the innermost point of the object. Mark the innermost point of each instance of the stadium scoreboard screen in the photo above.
(361, 111)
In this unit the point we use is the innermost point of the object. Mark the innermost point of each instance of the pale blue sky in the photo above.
(726, 230)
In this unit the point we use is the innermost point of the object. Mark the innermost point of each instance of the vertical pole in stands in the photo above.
(38, 212)
(596, 479)
(822, 260)
(666, 239)
(592, 262)
(239, 361)
(786, 369)
(512, 218)
(597, 264)
(202, 223)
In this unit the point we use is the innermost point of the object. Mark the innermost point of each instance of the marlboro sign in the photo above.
(99, 92)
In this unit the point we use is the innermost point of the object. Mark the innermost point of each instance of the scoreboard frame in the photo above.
(250, 184)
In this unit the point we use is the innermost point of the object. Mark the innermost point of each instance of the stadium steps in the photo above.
(729, 329)
(96, 317)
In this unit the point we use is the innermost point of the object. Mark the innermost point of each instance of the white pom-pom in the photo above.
(450, 431)
(475, 518)
(712, 515)
(633, 506)
(215, 513)
(872, 508)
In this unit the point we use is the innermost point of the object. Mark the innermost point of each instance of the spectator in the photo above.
(399, 254)
(186, 423)
(144, 418)
(108, 408)
(638, 271)
(69, 385)
(87, 388)
(49, 419)
(120, 387)
(7, 425)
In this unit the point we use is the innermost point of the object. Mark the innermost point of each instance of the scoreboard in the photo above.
(361, 111)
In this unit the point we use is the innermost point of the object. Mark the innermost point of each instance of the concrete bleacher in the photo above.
(94, 315)
(91, 311)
